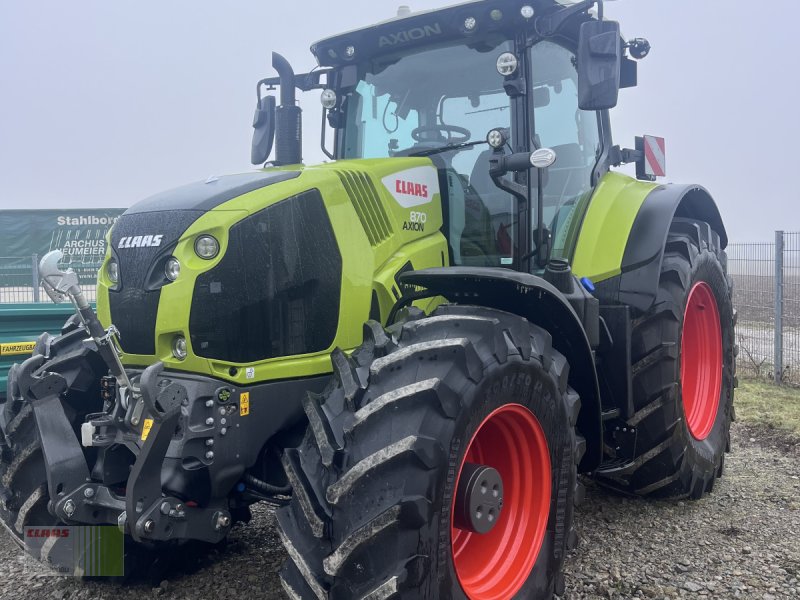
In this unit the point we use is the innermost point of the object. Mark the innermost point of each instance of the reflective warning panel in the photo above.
(655, 156)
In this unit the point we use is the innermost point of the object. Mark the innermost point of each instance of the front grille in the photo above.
(368, 205)
(134, 305)
(133, 313)
(276, 291)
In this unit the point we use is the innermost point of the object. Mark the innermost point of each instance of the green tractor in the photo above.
(500, 311)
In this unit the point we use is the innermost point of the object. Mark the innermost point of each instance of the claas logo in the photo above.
(46, 532)
(410, 188)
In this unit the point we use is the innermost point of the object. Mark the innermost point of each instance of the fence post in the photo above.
(35, 274)
(779, 245)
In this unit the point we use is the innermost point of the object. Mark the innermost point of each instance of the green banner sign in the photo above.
(27, 235)
(79, 234)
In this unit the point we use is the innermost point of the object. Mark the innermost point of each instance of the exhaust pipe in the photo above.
(288, 117)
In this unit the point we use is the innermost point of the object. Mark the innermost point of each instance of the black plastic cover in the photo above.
(134, 304)
(208, 195)
(276, 292)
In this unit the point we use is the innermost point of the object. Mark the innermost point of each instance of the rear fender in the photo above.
(637, 284)
(540, 303)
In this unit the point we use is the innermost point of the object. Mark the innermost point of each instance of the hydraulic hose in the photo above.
(266, 488)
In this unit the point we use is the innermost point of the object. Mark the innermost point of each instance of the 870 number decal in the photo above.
(416, 222)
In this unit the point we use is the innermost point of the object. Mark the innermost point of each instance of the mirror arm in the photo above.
(324, 131)
(305, 82)
(542, 233)
(624, 156)
(498, 167)
(512, 187)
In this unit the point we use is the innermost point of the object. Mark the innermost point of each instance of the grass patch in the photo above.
(776, 407)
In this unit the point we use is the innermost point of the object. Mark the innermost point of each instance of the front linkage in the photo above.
(141, 419)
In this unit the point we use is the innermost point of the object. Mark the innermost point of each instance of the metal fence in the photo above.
(766, 280)
(19, 279)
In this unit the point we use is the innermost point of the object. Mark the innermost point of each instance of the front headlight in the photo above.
(180, 349)
(112, 270)
(172, 269)
(206, 247)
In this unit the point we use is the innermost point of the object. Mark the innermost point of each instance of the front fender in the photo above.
(536, 300)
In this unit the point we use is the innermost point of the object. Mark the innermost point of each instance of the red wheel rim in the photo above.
(701, 361)
(496, 565)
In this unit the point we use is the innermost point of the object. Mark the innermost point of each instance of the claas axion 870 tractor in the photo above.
(500, 310)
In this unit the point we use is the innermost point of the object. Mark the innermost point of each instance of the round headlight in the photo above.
(172, 269)
(350, 52)
(328, 99)
(496, 14)
(507, 64)
(496, 138)
(180, 349)
(112, 270)
(470, 23)
(206, 247)
(527, 12)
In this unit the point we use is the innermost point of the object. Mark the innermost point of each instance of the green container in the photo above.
(20, 327)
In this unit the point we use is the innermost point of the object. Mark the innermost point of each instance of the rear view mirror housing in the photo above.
(264, 134)
(599, 58)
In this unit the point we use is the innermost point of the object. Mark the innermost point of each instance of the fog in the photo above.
(107, 102)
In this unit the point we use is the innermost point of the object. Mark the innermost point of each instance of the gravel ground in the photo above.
(741, 542)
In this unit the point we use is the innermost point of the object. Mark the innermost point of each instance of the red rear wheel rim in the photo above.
(496, 565)
(701, 361)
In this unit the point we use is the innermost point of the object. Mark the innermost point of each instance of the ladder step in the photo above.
(609, 415)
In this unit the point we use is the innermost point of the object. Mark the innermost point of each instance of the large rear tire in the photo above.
(683, 372)
(379, 480)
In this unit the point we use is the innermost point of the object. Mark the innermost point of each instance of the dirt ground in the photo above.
(740, 542)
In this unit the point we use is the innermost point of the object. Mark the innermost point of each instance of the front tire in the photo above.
(683, 373)
(24, 494)
(377, 478)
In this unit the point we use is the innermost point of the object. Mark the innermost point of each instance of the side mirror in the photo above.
(599, 65)
(264, 135)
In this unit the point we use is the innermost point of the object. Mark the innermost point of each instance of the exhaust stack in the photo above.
(288, 117)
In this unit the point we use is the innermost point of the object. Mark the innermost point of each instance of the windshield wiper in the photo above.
(447, 148)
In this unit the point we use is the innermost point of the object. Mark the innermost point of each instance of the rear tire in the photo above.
(375, 478)
(683, 372)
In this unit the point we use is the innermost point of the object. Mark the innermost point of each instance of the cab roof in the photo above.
(432, 26)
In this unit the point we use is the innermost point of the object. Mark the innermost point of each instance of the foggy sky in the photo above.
(105, 102)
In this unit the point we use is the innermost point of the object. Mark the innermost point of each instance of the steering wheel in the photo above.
(455, 135)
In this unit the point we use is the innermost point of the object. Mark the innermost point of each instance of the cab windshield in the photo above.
(442, 101)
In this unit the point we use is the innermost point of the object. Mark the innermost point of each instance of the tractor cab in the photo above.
(471, 86)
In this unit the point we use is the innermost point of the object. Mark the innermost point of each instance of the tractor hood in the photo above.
(291, 245)
(205, 196)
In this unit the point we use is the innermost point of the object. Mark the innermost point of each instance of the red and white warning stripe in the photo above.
(655, 154)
